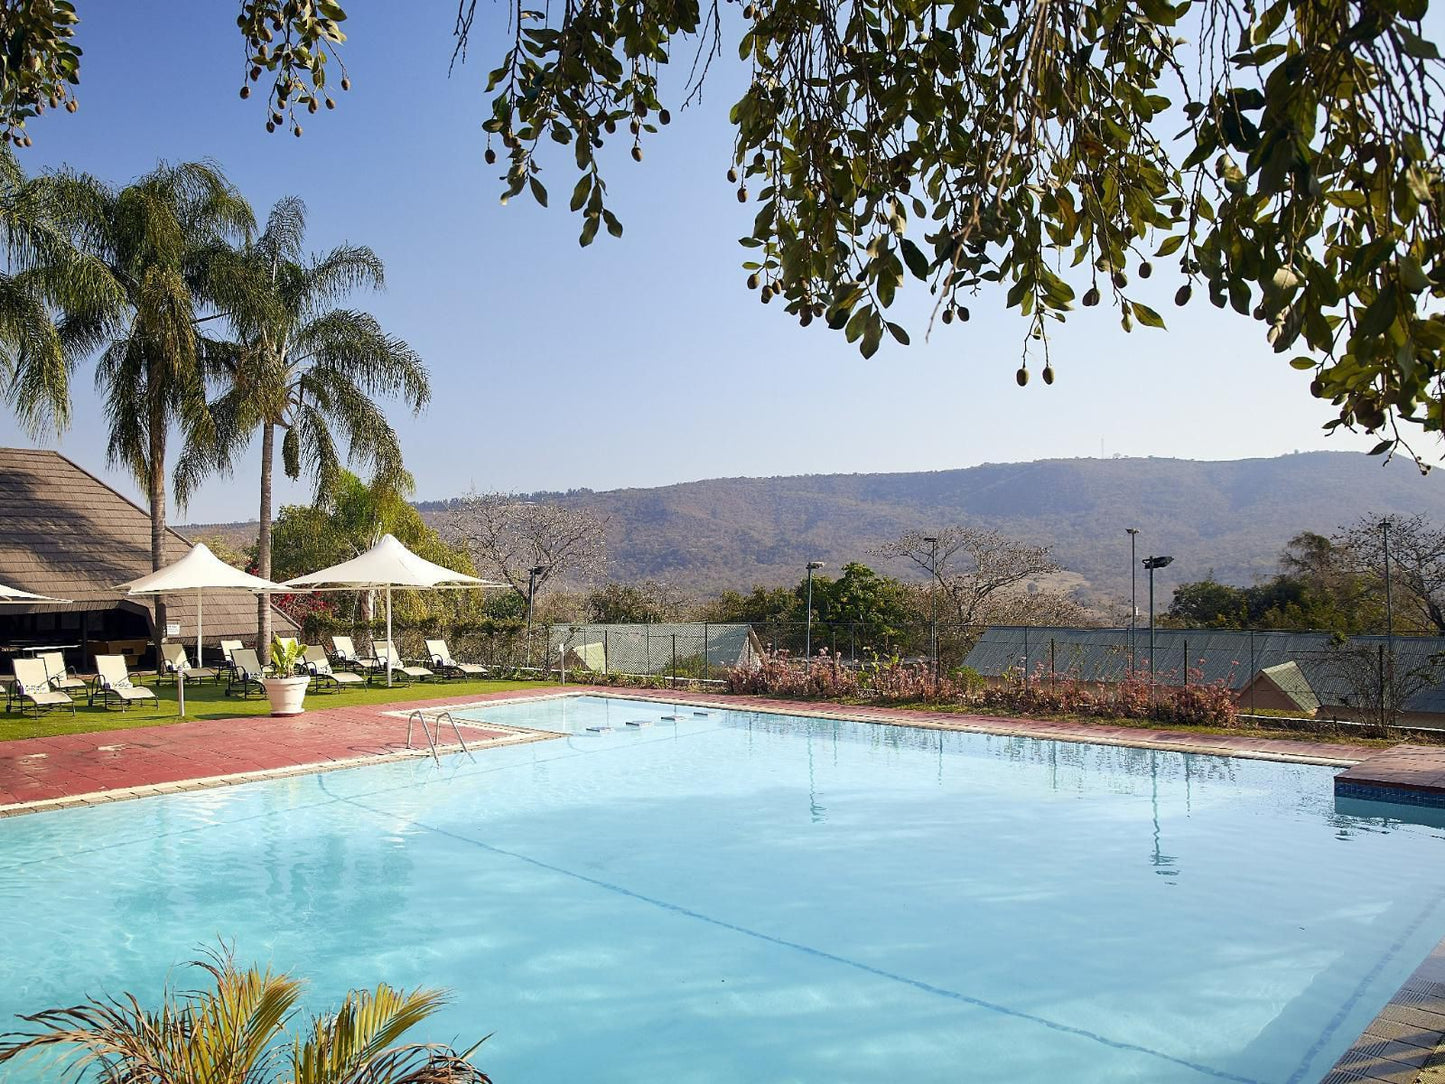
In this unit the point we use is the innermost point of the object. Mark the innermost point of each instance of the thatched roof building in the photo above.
(65, 533)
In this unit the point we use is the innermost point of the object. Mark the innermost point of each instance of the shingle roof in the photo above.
(1289, 679)
(1226, 655)
(64, 532)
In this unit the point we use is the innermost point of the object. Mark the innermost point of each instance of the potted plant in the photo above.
(285, 688)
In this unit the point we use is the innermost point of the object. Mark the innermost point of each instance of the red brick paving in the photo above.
(67, 765)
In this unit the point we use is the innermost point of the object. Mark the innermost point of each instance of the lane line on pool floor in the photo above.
(823, 954)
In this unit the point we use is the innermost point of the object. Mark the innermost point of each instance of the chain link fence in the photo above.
(1375, 679)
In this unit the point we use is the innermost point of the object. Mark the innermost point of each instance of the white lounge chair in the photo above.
(344, 654)
(386, 656)
(58, 674)
(176, 662)
(32, 686)
(112, 681)
(319, 667)
(247, 672)
(443, 663)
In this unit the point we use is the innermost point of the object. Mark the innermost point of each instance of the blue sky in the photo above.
(643, 361)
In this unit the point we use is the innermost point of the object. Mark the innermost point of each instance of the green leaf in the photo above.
(914, 258)
(1147, 316)
(1303, 363)
(899, 333)
(538, 192)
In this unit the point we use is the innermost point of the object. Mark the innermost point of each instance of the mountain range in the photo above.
(1228, 518)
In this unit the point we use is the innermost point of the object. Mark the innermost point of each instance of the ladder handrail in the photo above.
(417, 715)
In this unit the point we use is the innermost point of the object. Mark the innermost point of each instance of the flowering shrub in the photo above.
(891, 681)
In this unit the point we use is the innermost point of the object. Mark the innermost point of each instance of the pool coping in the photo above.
(1287, 750)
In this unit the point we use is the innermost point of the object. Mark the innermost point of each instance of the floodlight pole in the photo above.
(1151, 563)
(808, 638)
(1389, 603)
(933, 604)
(1133, 596)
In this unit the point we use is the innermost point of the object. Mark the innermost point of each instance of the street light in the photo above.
(532, 574)
(1389, 611)
(933, 604)
(1151, 563)
(808, 640)
(1133, 599)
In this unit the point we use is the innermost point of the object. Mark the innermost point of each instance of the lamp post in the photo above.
(1133, 597)
(532, 574)
(1389, 606)
(933, 604)
(808, 638)
(1151, 563)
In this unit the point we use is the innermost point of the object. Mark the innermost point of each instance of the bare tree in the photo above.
(970, 565)
(508, 536)
(1376, 684)
(1417, 565)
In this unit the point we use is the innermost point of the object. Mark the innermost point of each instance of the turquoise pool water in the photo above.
(740, 896)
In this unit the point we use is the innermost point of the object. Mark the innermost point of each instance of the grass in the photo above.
(206, 700)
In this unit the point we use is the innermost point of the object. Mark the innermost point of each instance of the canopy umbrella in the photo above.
(198, 571)
(385, 566)
(13, 596)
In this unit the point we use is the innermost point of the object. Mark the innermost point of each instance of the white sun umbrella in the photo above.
(13, 596)
(198, 571)
(385, 566)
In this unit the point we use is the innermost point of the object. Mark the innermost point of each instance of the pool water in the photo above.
(747, 896)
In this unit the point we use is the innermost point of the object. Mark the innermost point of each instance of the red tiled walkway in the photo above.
(67, 765)
(114, 763)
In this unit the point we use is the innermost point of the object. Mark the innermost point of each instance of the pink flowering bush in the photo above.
(891, 681)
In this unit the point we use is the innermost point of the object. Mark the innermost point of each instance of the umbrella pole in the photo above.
(390, 647)
(200, 659)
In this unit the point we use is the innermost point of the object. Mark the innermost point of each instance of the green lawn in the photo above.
(205, 700)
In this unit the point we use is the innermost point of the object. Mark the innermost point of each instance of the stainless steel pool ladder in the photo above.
(431, 737)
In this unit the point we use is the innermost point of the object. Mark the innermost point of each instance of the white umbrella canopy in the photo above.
(198, 571)
(385, 566)
(13, 596)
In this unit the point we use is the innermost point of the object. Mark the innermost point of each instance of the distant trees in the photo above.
(971, 566)
(645, 602)
(348, 519)
(508, 537)
(1335, 584)
(1417, 565)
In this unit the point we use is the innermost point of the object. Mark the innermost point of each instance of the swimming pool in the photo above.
(748, 896)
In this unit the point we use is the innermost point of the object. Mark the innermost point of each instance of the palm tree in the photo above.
(45, 274)
(303, 367)
(236, 1032)
(158, 237)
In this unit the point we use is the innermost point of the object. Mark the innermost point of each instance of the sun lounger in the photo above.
(33, 687)
(344, 655)
(247, 673)
(319, 667)
(112, 682)
(56, 672)
(386, 656)
(443, 663)
(175, 662)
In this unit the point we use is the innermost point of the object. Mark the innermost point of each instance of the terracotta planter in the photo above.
(286, 694)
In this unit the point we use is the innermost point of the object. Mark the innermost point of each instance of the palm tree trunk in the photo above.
(263, 538)
(156, 485)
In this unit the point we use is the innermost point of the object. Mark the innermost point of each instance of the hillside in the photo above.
(1231, 517)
